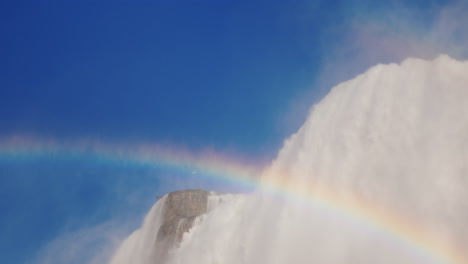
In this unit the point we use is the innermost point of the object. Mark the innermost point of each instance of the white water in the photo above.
(139, 247)
(396, 135)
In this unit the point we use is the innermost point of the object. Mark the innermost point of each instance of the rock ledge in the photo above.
(180, 210)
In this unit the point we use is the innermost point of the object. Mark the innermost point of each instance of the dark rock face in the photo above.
(180, 210)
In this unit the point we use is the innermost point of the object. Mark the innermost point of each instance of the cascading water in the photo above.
(140, 246)
(377, 174)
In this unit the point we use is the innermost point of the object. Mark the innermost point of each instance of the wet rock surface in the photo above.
(180, 211)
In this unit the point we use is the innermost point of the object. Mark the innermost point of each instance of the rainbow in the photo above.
(374, 217)
(404, 232)
(207, 163)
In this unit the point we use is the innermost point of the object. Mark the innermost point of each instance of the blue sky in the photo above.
(235, 77)
(191, 72)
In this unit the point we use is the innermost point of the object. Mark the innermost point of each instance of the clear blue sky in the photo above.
(234, 76)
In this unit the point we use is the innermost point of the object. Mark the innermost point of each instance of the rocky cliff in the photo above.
(180, 211)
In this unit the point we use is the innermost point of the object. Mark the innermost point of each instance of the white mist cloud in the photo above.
(393, 34)
(92, 245)
(370, 35)
(395, 137)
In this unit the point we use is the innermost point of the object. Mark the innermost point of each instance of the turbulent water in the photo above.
(395, 136)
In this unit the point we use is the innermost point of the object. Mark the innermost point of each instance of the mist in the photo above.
(395, 138)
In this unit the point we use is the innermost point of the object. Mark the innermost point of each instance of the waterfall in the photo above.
(378, 173)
